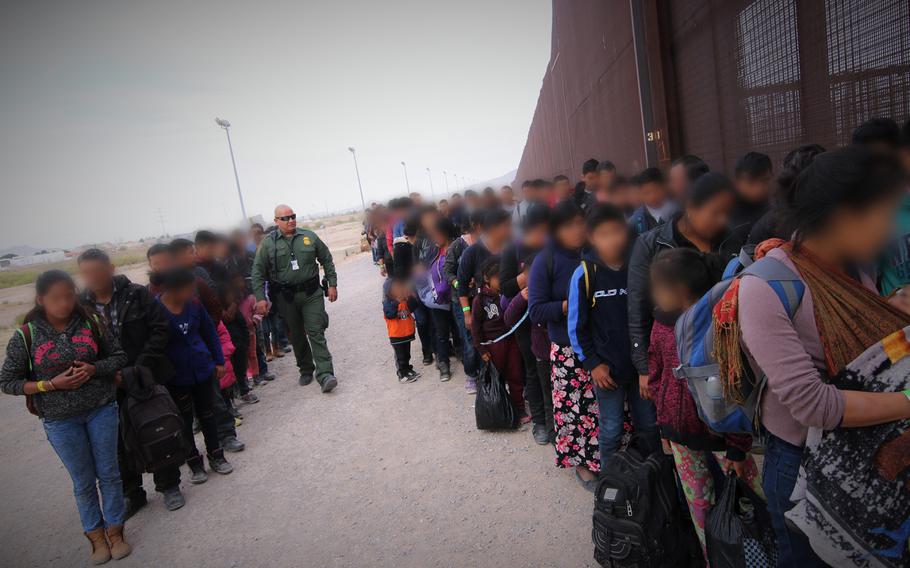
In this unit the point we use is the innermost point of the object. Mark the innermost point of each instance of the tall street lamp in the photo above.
(407, 184)
(227, 130)
(445, 176)
(357, 171)
(432, 192)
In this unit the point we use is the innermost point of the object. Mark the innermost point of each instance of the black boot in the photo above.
(133, 503)
(197, 470)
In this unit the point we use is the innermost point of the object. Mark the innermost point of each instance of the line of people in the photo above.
(203, 327)
(573, 294)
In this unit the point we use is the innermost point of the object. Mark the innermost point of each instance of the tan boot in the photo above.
(119, 547)
(101, 552)
(277, 350)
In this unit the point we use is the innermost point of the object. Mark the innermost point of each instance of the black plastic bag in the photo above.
(492, 407)
(738, 529)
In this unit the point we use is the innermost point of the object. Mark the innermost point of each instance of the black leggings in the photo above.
(197, 399)
(442, 328)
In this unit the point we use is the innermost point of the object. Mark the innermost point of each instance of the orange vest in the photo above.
(401, 326)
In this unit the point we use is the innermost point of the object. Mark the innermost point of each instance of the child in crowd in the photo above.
(492, 337)
(195, 352)
(228, 379)
(599, 329)
(679, 277)
(398, 304)
(240, 323)
(657, 207)
(544, 431)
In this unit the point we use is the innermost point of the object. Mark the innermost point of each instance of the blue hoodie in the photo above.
(598, 319)
(548, 287)
(193, 346)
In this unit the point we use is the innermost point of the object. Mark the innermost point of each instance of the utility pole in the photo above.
(357, 171)
(161, 219)
(432, 192)
(406, 182)
(445, 176)
(227, 130)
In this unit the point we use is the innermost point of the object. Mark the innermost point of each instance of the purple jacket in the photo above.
(540, 341)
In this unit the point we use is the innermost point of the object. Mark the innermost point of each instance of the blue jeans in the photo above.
(611, 404)
(87, 446)
(470, 358)
(781, 469)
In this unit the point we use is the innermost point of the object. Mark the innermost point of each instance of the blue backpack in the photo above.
(695, 342)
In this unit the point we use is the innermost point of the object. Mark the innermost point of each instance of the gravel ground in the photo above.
(375, 474)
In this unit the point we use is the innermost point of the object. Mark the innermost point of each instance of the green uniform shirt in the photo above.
(273, 260)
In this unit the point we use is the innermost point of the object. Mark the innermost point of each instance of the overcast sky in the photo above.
(107, 108)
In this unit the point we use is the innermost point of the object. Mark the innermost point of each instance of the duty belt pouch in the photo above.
(310, 286)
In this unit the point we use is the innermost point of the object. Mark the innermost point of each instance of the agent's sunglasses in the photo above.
(287, 218)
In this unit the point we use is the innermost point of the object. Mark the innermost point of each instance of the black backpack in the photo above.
(638, 519)
(152, 425)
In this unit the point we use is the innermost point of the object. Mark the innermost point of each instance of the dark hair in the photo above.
(877, 131)
(261, 228)
(604, 213)
(619, 181)
(695, 167)
(445, 227)
(564, 213)
(525, 183)
(560, 177)
(156, 249)
(795, 162)
(43, 284)
(172, 279)
(590, 166)
(456, 195)
(649, 175)
(95, 254)
(490, 268)
(205, 237)
(475, 220)
(853, 177)
(707, 187)
(411, 225)
(179, 245)
(495, 217)
(753, 164)
(536, 216)
(683, 266)
(606, 166)
(470, 193)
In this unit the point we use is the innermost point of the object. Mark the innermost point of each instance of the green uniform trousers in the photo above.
(306, 321)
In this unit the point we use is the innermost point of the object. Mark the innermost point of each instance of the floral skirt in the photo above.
(575, 411)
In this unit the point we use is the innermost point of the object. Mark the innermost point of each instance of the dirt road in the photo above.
(375, 474)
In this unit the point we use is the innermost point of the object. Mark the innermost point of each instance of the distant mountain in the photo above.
(495, 183)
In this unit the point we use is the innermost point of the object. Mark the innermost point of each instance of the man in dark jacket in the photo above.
(584, 191)
(648, 246)
(132, 316)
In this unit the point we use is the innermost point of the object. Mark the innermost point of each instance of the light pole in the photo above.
(407, 184)
(227, 130)
(357, 171)
(445, 176)
(432, 192)
(455, 177)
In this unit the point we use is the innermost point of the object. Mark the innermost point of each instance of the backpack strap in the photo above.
(788, 286)
(590, 273)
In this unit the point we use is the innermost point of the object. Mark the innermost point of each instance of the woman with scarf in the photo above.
(842, 209)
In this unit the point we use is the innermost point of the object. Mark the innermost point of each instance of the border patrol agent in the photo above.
(287, 260)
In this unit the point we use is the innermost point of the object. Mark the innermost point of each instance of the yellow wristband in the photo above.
(41, 387)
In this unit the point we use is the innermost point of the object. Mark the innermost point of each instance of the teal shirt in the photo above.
(894, 267)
